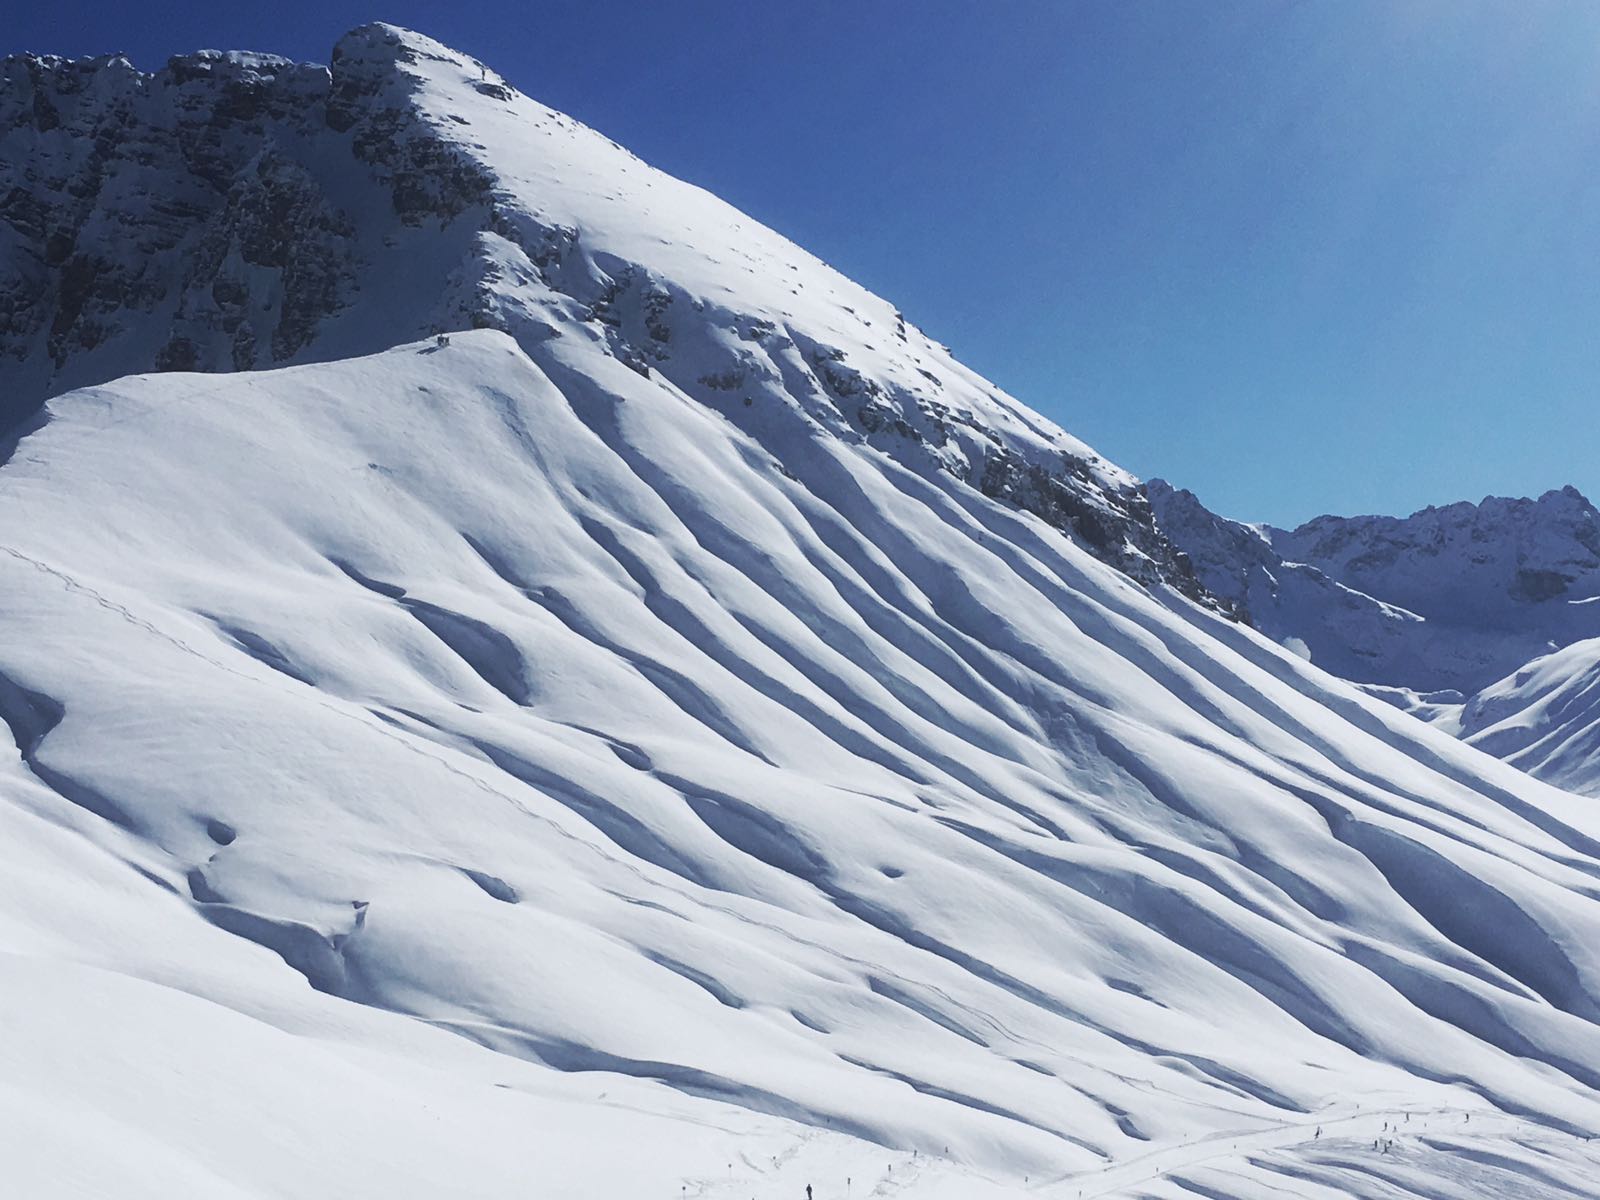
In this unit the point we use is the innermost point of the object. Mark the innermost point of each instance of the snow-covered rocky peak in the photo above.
(1488, 563)
(1448, 598)
(1342, 630)
(236, 211)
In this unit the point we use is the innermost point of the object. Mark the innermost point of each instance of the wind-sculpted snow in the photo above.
(1544, 718)
(523, 746)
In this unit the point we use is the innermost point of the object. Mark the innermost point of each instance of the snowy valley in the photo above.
(521, 681)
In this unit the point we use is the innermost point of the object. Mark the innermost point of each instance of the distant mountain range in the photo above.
(1441, 612)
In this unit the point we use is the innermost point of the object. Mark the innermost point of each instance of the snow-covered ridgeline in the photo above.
(1448, 598)
(1482, 619)
(237, 210)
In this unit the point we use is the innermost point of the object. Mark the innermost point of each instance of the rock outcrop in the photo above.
(238, 211)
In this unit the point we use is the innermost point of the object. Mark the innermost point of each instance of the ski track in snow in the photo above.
(1383, 1135)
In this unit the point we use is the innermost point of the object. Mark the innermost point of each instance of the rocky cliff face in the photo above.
(156, 221)
(236, 211)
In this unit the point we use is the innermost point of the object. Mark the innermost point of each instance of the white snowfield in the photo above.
(837, 816)
(1544, 718)
(489, 769)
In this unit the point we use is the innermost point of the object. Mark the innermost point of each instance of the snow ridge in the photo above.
(235, 211)
(1543, 718)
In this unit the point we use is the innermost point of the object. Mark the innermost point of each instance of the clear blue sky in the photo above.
(1340, 255)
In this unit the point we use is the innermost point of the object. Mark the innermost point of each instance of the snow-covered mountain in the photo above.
(1299, 606)
(679, 734)
(1483, 619)
(1447, 598)
(235, 211)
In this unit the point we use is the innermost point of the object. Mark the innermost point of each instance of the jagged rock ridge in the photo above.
(234, 211)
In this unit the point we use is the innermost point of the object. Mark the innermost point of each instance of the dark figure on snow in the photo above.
(808, 1191)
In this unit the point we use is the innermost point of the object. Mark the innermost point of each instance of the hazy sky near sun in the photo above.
(1335, 255)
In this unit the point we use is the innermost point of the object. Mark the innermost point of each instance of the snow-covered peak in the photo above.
(1499, 582)
(1487, 562)
(675, 730)
(234, 211)
(1447, 598)
(1342, 630)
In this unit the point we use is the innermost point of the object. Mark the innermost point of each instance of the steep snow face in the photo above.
(1448, 598)
(1544, 718)
(520, 746)
(234, 211)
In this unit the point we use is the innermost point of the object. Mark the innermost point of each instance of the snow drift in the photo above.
(1544, 718)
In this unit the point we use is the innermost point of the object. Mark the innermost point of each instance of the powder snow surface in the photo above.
(871, 826)
(1544, 718)
(490, 769)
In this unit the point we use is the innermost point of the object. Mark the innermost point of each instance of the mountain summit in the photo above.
(603, 706)
(237, 211)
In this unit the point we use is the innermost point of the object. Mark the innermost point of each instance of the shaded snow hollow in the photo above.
(495, 768)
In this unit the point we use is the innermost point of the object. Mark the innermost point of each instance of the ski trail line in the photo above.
(1362, 1126)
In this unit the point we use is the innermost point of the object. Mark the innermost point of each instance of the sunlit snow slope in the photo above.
(493, 768)
(564, 719)
(1544, 718)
